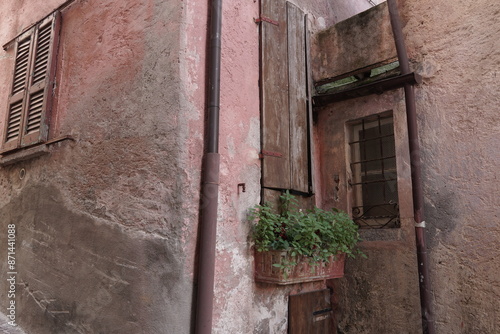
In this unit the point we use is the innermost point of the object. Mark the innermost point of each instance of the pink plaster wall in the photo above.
(131, 91)
(105, 220)
(239, 147)
(109, 222)
(22, 14)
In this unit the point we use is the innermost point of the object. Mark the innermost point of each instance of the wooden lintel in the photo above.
(377, 87)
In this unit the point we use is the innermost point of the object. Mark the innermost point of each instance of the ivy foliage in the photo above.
(316, 234)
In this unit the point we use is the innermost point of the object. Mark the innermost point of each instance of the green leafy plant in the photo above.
(315, 234)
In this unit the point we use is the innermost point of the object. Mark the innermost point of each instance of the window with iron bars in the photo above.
(374, 176)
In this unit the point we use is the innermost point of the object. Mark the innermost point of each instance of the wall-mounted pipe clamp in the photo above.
(421, 224)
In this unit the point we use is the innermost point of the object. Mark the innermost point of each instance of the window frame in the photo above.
(357, 184)
(30, 104)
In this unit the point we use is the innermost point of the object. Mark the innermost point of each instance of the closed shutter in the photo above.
(297, 99)
(285, 108)
(15, 115)
(30, 101)
(274, 85)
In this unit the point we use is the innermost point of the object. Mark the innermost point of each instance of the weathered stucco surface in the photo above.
(344, 9)
(101, 221)
(385, 284)
(107, 224)
(351, 45)
(457, 50)
(455, 47)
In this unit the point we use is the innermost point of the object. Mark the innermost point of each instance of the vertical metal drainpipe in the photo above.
(416, 174)
(210, 179)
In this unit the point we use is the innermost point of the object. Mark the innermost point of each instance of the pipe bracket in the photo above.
(421, 224)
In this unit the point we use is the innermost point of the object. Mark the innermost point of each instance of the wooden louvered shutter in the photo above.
(12, 136)
(285, 108)
(30, 102)
(38, 100)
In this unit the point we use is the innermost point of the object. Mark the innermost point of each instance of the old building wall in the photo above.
(109, 221)
(102, 220)
(353, 44)
(385, 284)
(454, 46)
(456, 49)
(344, 9)
(239, 149)
(241, 305)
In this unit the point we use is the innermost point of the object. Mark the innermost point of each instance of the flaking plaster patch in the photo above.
(428, 68)
(231, 147)
(237, 308)
(274, 318)
(253, 136)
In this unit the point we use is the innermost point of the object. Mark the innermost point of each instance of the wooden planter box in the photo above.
(302, 272)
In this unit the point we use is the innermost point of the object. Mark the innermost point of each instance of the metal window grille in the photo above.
(374, 177)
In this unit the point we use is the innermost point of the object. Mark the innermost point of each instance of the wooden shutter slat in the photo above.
(14, 121)
(15, 111)
(297, 91)
(42, 53)
(274, 88)
(21, 65)
(34, 112)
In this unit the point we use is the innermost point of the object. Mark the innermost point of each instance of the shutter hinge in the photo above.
(270, 154)
(266, 19)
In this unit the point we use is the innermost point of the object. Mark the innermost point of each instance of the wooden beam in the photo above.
(377, 87)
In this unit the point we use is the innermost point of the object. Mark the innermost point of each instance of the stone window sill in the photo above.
(12, 157)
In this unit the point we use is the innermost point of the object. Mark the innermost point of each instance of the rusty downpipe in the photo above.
(210, 178)
(416, 174)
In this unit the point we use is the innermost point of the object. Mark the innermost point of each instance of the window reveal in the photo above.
(30, 100)
(374, 176)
